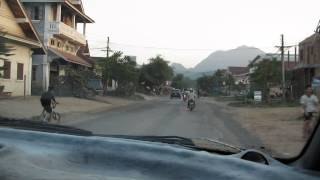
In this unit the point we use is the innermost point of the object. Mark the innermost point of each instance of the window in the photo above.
(301, 55)
(7, 69)
(59, 44)
(19, 71)
(34, 72)
(67, 48)
(52, 42)
(36, 13)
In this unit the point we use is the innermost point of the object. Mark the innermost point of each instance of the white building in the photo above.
(22, 37)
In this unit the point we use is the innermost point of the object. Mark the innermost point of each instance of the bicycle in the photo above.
(54, 115)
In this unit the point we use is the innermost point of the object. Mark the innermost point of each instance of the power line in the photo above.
(162, 48)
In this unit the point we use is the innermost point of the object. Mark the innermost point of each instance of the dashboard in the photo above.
(28, 154)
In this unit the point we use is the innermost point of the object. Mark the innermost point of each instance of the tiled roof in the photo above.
(84, 53)
(70, 57)
(235, 70)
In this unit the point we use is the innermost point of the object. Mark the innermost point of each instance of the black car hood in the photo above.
(40, 155)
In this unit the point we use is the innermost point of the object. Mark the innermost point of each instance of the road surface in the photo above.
(165, 117)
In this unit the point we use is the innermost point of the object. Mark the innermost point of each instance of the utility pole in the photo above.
(283, 69)
(108, 48)
(295, 55)
(288, 58)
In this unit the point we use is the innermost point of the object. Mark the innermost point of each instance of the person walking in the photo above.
(309, 104)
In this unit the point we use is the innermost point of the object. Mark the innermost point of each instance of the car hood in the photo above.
(39, 155)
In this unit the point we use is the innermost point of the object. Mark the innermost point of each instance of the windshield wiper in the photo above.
(214, 146)
(43, 127)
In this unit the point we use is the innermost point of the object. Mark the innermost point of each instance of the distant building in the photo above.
(133, 58)
(21, 36)
(309, 63)
(240, 74)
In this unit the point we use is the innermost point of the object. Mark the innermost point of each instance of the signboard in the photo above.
(257, 96)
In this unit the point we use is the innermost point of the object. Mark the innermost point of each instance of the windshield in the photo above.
(244, 73)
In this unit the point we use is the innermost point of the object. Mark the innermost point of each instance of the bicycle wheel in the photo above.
(56, 116)
(42, 116)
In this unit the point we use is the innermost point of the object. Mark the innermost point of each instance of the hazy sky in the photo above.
(189, 30)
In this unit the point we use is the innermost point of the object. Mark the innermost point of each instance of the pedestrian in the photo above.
(309, 104)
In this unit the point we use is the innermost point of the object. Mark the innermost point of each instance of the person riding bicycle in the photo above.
(46, 100)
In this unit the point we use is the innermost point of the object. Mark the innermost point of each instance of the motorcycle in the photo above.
(184, 97)
(191, 105)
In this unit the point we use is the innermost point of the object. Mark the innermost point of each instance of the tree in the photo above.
(177, 81)
(205, 83)
(121, 69)
(219, 82)
(155, 73)
(266, 73)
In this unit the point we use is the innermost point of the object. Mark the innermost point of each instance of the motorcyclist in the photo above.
(191, 96)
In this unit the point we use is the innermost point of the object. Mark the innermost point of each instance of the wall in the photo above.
(8, 21)
(22, 54)
(38, 24)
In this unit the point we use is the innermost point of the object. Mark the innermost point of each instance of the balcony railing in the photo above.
(59, 28)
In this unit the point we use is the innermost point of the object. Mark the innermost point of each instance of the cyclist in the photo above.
(46, 101)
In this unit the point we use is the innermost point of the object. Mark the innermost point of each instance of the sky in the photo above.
(187, 31)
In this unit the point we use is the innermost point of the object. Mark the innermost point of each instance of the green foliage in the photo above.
(155, 73)
(121, 69)
(266, 73)
(181, 82)
(216, 82)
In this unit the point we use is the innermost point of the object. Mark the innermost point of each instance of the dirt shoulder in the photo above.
(279, 128)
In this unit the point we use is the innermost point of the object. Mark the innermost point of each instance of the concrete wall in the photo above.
(8, 22)
(22, 54)
(38, 24)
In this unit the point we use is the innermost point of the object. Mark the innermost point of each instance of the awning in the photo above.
(70, 58)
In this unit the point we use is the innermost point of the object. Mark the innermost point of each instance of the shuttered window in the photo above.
(20, 71)
(7, 69)
(34, 72)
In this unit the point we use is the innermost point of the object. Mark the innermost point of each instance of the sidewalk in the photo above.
(31, 107)
(279, 128)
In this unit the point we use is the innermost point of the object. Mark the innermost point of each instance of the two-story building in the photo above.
(17, 33)
(58, 23)
(308, 66)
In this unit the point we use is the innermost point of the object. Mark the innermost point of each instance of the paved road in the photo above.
(165, 117)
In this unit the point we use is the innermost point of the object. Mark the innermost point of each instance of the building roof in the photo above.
(273, 56)
(71, 4)
(84, 53)
(70, 57)
(27, 27)
(310, 39)
(236, 70)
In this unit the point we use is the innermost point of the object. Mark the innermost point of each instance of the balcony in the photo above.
(65, 31)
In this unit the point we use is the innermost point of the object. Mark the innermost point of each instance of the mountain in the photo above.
(222, 59)
(178, 68)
